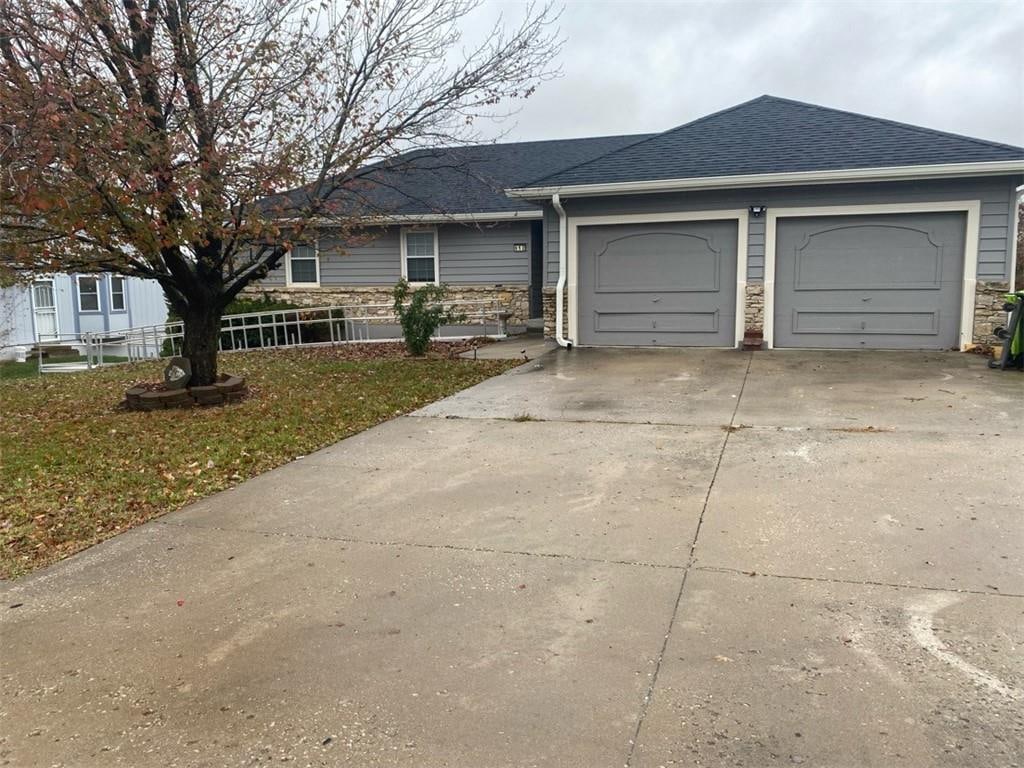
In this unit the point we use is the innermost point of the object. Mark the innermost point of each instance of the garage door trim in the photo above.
(740, 215)
(970, 272)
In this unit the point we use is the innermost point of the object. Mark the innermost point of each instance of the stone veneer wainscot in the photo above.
(512, 298)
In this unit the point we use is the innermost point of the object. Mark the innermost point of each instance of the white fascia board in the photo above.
(431, 218)
(895, 173)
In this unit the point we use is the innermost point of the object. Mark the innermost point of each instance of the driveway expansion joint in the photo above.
(649, 695)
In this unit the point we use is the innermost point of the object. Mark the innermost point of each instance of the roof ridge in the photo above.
(651, 137)
(887, 121)
(546, 141)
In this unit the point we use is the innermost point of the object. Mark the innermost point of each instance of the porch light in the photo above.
(757, 210)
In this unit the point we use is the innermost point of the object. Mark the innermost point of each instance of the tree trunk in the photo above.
(202, 332)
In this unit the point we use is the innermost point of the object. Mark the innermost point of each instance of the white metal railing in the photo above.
(340, 324)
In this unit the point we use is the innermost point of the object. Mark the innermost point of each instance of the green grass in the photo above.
(30, 368)
(76, 469)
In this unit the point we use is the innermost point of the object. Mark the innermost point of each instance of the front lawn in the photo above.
(77, 469)
(30, 368)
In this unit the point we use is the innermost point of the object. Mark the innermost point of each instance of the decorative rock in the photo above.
(178, 373)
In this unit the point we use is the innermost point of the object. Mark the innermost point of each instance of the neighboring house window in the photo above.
(303, 266)
(88, 294)
(117, 303)
(419, 255)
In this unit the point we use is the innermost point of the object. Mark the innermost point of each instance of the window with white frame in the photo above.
(117, 301)
(303, 265)
(88, 293)
(419, 255)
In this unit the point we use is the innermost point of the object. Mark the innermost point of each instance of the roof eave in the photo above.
(422, 218)
(894, 173)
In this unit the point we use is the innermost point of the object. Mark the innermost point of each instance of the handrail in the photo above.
(276, 328)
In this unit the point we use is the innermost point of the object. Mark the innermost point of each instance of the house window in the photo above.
(117, 303)
(88, 294)
(303, 266)
(419, 255)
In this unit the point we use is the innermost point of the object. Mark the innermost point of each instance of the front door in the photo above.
(45, 309)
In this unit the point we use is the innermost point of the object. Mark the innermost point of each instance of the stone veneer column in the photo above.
(548, 306)
(988, 310)
(753, 318)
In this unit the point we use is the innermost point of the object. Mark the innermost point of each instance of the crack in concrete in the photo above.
(649, 695)
(423, 545)
(732, 427)
(853, 582)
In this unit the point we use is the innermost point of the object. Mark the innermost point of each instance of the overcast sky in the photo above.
(637, 67)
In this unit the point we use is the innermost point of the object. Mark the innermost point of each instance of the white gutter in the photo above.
(425, 218)
(895, 173)
(563, 238)
(1015, 254)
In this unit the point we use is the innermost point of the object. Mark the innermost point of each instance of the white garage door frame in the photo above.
(740, 215)
(971, 233)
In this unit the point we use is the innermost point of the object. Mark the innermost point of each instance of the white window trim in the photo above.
(288, 267)
(437, 261)
(741, 215)
(971, 235)
(78, 295)
(124, 293)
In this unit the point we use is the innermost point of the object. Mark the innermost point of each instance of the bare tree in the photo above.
(151, 132)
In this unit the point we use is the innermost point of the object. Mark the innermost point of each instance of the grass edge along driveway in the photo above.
(76, 469)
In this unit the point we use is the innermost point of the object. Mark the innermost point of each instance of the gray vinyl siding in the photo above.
(484, 254)
(997, 196)
(375, 261)
(467, 255)
(275, 278)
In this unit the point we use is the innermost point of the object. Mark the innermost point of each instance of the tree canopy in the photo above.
(140, 136)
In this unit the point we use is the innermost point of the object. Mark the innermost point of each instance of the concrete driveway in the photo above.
(603, 558)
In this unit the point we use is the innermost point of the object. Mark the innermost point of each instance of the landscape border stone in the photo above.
(227, 389)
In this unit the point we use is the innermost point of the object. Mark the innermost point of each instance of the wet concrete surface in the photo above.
(602, 558)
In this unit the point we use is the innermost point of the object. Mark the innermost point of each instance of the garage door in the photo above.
(869, 282)
(664, 284)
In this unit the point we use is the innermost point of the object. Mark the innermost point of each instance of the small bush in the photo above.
(423, 315)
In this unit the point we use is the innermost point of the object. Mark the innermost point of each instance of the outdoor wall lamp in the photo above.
(757, 210)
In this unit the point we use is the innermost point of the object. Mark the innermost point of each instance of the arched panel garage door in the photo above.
(667, 284)
(891, 281)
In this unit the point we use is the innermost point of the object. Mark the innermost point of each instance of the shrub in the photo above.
(423, 315)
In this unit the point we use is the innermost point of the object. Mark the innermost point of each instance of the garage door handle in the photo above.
(655, 301)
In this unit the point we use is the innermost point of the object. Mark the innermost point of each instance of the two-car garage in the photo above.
(866, 279)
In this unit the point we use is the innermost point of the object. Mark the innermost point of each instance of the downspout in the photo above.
(563, 238)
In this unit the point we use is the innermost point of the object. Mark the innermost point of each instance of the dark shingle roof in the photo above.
(447, 180)
(774, 135)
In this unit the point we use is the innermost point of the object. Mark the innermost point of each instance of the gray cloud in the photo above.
(636, 67)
